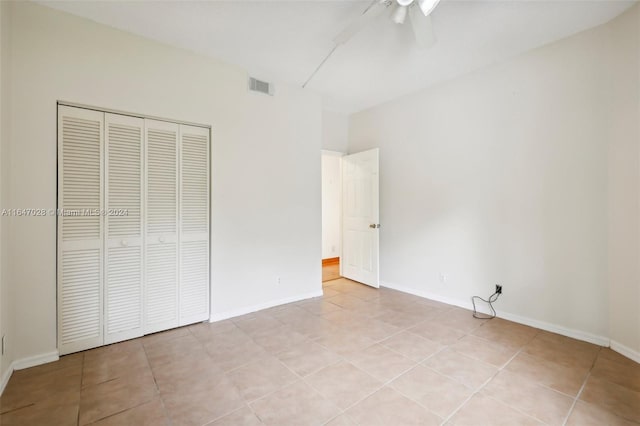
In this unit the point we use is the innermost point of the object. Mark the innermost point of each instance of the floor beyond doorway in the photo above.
(330, 272)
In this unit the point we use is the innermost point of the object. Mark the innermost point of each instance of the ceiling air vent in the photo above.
(256, 85)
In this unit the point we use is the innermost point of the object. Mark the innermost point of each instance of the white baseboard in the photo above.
(625, 351)
(466, 304)
(32, 361)
(5, 378)
(249, 309)
(558, 329)
(22, 363)
(427, 295)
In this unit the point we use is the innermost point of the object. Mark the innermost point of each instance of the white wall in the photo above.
(502, 176)
(335, 131)
(3, 63)
(331, 204)
(2, 168)
(265, 168)
(6, 306)
(624, 182)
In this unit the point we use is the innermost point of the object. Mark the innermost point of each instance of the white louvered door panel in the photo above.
(123, 294)
(80, 229)
(161, 226)
(194, 224)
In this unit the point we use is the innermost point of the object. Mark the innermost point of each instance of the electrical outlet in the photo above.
(278, 280)
(443, 277)
(498, 289)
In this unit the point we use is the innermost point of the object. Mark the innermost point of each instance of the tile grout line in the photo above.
(116, 378)
(584, 384)
(300, 379)
(481, 387)
(248, 403)
(146, 355)
(31, 404)
(120, 412)
(459, 407)
(226, 372)
(164, 407)
(421, 364)
(575, 398)
(213, 359)
(386, 384)
(344, 359)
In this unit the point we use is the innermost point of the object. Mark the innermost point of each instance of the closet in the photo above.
(133, 226)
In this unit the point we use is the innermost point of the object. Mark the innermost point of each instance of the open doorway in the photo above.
(331, 214)
(350, 216)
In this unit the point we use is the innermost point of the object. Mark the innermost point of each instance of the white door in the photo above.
(133, 234)
(161, 266)
(194, 224)
(124, 180)
(360, 217)
(80, 229)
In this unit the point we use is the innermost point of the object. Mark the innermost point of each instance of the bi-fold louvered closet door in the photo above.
(133, 229)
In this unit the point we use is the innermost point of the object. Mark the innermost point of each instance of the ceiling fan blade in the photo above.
(422, 28)
(374, 10)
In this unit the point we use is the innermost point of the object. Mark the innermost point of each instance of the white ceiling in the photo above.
(284, 41)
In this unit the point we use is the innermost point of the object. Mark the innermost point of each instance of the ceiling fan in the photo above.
(419, 12)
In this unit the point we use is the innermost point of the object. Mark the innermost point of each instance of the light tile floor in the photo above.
(357, 356)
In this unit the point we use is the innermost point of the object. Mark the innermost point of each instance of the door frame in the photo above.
(338, 154)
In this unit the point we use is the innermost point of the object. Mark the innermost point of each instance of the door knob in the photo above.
(162, 239)
(374, 225)
(124, 243)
